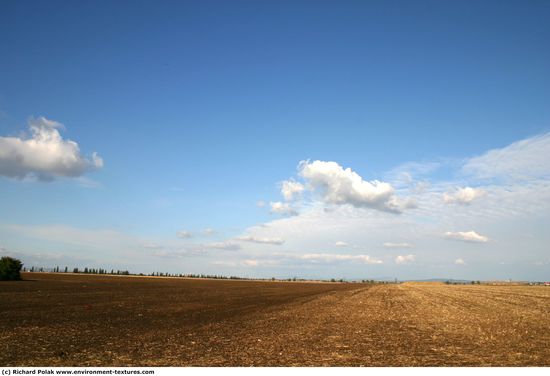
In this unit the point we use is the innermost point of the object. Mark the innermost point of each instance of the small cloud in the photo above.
(260, 204)
(341, 244)
(290, 189)
(463, 196)
(208, 231)
(184, 234)
(466, 236)
(398, 245)
(225, 246)
(405, 259)
(460, 261)
(251, 262)
(253, 239)
(282, 208)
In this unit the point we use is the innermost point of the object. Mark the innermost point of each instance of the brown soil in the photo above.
(76, 320)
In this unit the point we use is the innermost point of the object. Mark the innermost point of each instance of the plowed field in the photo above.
(66, 320)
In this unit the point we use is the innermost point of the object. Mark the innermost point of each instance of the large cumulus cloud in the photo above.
(44, 154)
(344, 186)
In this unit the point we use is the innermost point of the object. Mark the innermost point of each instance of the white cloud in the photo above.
(460, 261)
(343, 186)
(463, 196)
(330, 258)
(397, 245)
(44, 155)
(341, 244)
(525, 159)
(225, 246)
(466, 236)
(283, 208)
(405, 259)
(208, 231)
(260, 204)
(260, 240)
(290, 189)
(184, 234)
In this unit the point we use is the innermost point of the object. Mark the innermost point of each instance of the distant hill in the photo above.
(440, 280)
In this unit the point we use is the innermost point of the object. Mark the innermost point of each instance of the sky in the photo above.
(326, 139)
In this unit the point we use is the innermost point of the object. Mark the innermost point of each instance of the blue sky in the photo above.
(199, 111)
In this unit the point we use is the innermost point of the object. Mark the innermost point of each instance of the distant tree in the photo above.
(75, 270)
(10, 269)
(66, 269)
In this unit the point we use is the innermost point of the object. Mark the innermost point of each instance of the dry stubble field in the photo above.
(58, 320)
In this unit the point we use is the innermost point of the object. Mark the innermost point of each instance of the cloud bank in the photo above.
(525, 159)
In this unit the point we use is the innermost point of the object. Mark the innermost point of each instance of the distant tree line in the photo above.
(86, 270)
(102, 271)
(462, 282)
